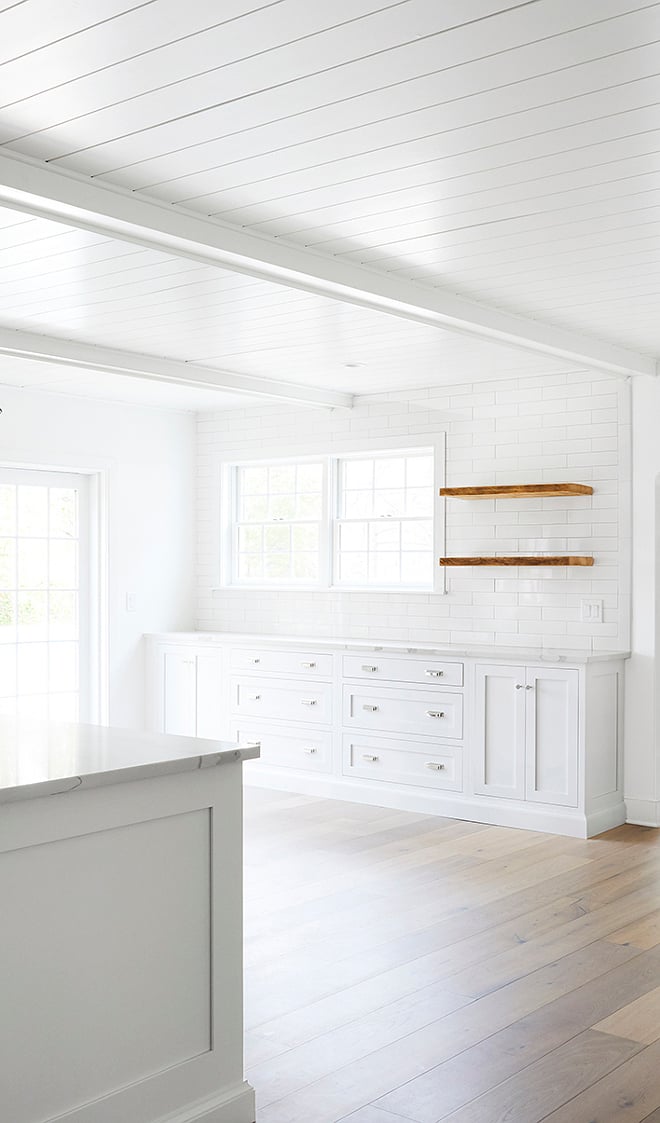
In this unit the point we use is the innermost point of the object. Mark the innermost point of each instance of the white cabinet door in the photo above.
(499, 743)
(179, 692)
(210, 720)
(552, 735)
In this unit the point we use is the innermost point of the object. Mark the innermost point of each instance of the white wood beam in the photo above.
(66, 352)
(34, 188)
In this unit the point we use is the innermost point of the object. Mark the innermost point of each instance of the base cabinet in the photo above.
(508, 741)
(527, 733)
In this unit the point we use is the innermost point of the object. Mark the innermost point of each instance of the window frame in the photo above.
(328, 535)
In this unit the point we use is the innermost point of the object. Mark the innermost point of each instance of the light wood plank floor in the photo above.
(408, 969)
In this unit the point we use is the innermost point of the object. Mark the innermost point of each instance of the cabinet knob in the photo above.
(308, 666)
(371, 709)
(308, 701)
(434, 713)
(434, 674)
(519, 686)
(367, 667)
(371, 759)
(435, 766)
(528, 687)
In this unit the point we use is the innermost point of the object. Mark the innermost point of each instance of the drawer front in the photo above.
(395, 669)
(283, 699)
(403, 762)
(303, 664)
(311, 752)
(432, 713)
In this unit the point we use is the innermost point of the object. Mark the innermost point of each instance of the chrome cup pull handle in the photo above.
(434, 674)
(435, 766)
(308, 702)
(434, 713)
(371, 709)
(310, 751)
(369, 667)
(308, 666)
(371, 759)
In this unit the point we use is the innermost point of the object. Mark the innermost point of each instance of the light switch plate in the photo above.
(131, 602)
(591, 611)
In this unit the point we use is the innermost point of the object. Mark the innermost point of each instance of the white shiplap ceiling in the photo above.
(505, 152)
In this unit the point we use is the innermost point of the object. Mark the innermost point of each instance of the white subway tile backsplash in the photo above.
(559, 428)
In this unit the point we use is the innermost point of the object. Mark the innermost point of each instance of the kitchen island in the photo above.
(121, 931)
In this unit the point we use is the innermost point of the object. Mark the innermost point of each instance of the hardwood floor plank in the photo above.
(627, 1095)
(638, 1020)
(405, 969)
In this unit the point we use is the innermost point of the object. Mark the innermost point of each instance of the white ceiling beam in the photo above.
(37, 189)
(66, 352)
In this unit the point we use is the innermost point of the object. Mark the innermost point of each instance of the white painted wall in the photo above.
(642, 780)
(525, 430)
(149, 457)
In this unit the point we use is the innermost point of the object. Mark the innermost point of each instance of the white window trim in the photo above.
(227, 529)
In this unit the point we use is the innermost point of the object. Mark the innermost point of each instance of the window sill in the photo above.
(409, 590)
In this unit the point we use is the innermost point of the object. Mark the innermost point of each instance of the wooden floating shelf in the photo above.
(549, 560)
(516, 491)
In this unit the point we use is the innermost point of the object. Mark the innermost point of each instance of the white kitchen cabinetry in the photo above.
(185, 693)
(526, 733)
(491, 736)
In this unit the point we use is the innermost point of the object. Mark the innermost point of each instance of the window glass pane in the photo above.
(250, 567)
(7, 617)
(417, 535)
(384, 535)
(7, 671)
(7, 563)
(7, 509)
(390, 502)
(358, 504)
(32, 563)
(253, 508)
(384, 568)
(63, 615)
(305, 537)
(390, 473)
(63, 512)
(309, 477)
(306, 566)
(250, 538)
(63, 565)
(63, 667)
(277, 538)
(33, 511)
(419, 501)
(353, 536)
(282, 507)
(309, 506)
(354, 567)
(282, 478)
(358, 474)
(32, 616)
(419, 471)
(277, 566)
(32, 666)
(254, 481)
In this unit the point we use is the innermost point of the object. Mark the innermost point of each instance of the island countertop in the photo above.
(40, 758)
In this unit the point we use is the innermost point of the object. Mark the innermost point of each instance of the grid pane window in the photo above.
(39, 598)
(384, 533)
(279, 515)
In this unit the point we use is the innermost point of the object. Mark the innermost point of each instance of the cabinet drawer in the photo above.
(395, 669)
(282, 698)
(299, 663)
(404, 762)
(434, 713)
(311, 752)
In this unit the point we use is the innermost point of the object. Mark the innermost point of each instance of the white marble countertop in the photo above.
(41, 759)
(341, 643)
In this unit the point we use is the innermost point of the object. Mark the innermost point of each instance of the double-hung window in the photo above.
(360, 521)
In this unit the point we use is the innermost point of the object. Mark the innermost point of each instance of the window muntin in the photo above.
(384, 530)
(279, 521)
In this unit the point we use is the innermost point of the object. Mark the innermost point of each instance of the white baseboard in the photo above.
(643, 812)
(600, 821)
(235, 1106)
(476, 809)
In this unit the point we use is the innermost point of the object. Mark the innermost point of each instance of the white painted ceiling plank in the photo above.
(70, 353)
(49, 193)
